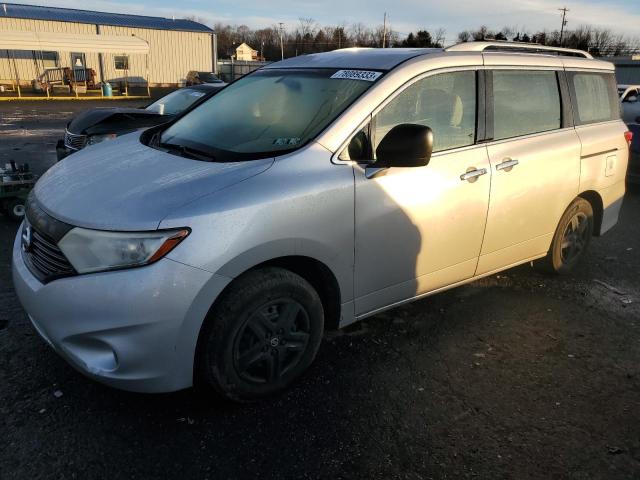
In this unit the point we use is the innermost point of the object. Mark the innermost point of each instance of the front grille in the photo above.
(73, 141)
(42, 255)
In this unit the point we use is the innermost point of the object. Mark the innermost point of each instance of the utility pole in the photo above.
(281, 43)
(564, 11)
(384, 31)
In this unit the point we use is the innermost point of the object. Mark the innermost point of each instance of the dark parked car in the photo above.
(199, 78)
(100, 124)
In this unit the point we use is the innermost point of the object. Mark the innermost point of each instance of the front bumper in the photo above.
(133, 329)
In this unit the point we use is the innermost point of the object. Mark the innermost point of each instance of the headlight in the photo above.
(97, 250)
(93, 139)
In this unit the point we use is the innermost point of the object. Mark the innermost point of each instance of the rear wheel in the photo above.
(262, 335)
(571, 239)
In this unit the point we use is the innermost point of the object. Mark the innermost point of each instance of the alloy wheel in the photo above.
(272, 341)
(575, 238)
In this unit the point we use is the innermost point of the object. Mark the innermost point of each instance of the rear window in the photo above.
(525, 102)
(595, 96)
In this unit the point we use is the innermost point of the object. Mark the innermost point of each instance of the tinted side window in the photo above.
(595, 97)
(525, 102)
(446, 103)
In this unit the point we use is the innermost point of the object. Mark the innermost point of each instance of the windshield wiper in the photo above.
(187, 152)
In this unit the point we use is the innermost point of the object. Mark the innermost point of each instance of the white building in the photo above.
(244, 53)
(175, 46)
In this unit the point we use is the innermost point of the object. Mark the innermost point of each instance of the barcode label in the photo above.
(366, 75)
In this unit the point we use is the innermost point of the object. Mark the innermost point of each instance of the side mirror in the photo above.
(405, 145)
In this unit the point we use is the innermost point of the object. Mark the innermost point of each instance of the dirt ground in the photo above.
(518, 376)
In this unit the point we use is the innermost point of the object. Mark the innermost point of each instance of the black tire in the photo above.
(571, 239)
(15, 209)
(260, 336)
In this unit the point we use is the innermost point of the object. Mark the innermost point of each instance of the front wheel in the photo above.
(571, 239)
(263, 333)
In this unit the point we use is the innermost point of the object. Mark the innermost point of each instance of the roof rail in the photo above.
(516, 47)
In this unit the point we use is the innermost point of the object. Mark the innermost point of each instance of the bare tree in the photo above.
(376, 38)
(308, 37)
(439, 37)
(308, 26)
(242, 33)
(361, 35)
(482, 33)
(602, 41)
(464, 36)
(598, 41)
(508, 32)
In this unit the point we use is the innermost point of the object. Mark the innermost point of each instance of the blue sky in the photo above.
(405, 15)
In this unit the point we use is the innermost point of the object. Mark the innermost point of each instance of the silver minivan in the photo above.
(310, 194)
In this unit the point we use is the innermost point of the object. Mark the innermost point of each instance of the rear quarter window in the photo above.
(595, 97)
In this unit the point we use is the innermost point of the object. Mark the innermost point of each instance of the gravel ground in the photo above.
(517, 376)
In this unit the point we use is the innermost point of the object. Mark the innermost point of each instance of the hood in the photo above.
(125, 185)
(114, 120)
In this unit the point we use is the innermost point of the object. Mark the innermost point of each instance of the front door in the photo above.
(418, 229)
(535, 167)
(77, 60)
(78, 67)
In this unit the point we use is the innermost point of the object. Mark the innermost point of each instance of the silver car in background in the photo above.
(339, 185)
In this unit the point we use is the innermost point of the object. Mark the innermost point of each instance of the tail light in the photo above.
(628, 136)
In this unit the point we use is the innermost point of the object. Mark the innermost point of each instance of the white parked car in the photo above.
(630, 98)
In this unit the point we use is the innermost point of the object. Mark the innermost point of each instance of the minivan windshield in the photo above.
(267, 113)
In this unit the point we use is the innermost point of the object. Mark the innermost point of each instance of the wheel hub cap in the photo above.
(575, 237)
(272, 341)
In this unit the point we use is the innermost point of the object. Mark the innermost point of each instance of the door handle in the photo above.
(507, 164)
(472, 175)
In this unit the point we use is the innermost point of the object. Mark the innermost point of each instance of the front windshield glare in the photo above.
(176, 102)
(266, 113)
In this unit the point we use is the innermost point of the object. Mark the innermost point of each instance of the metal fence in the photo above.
(229, 70)
(627, 70)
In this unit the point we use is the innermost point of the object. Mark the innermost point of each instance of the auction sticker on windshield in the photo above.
(365, 75)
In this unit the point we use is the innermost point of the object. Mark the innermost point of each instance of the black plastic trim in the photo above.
(481, 106)
(43, 222)
(565, 96)
(488, 111)
(51, 264)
